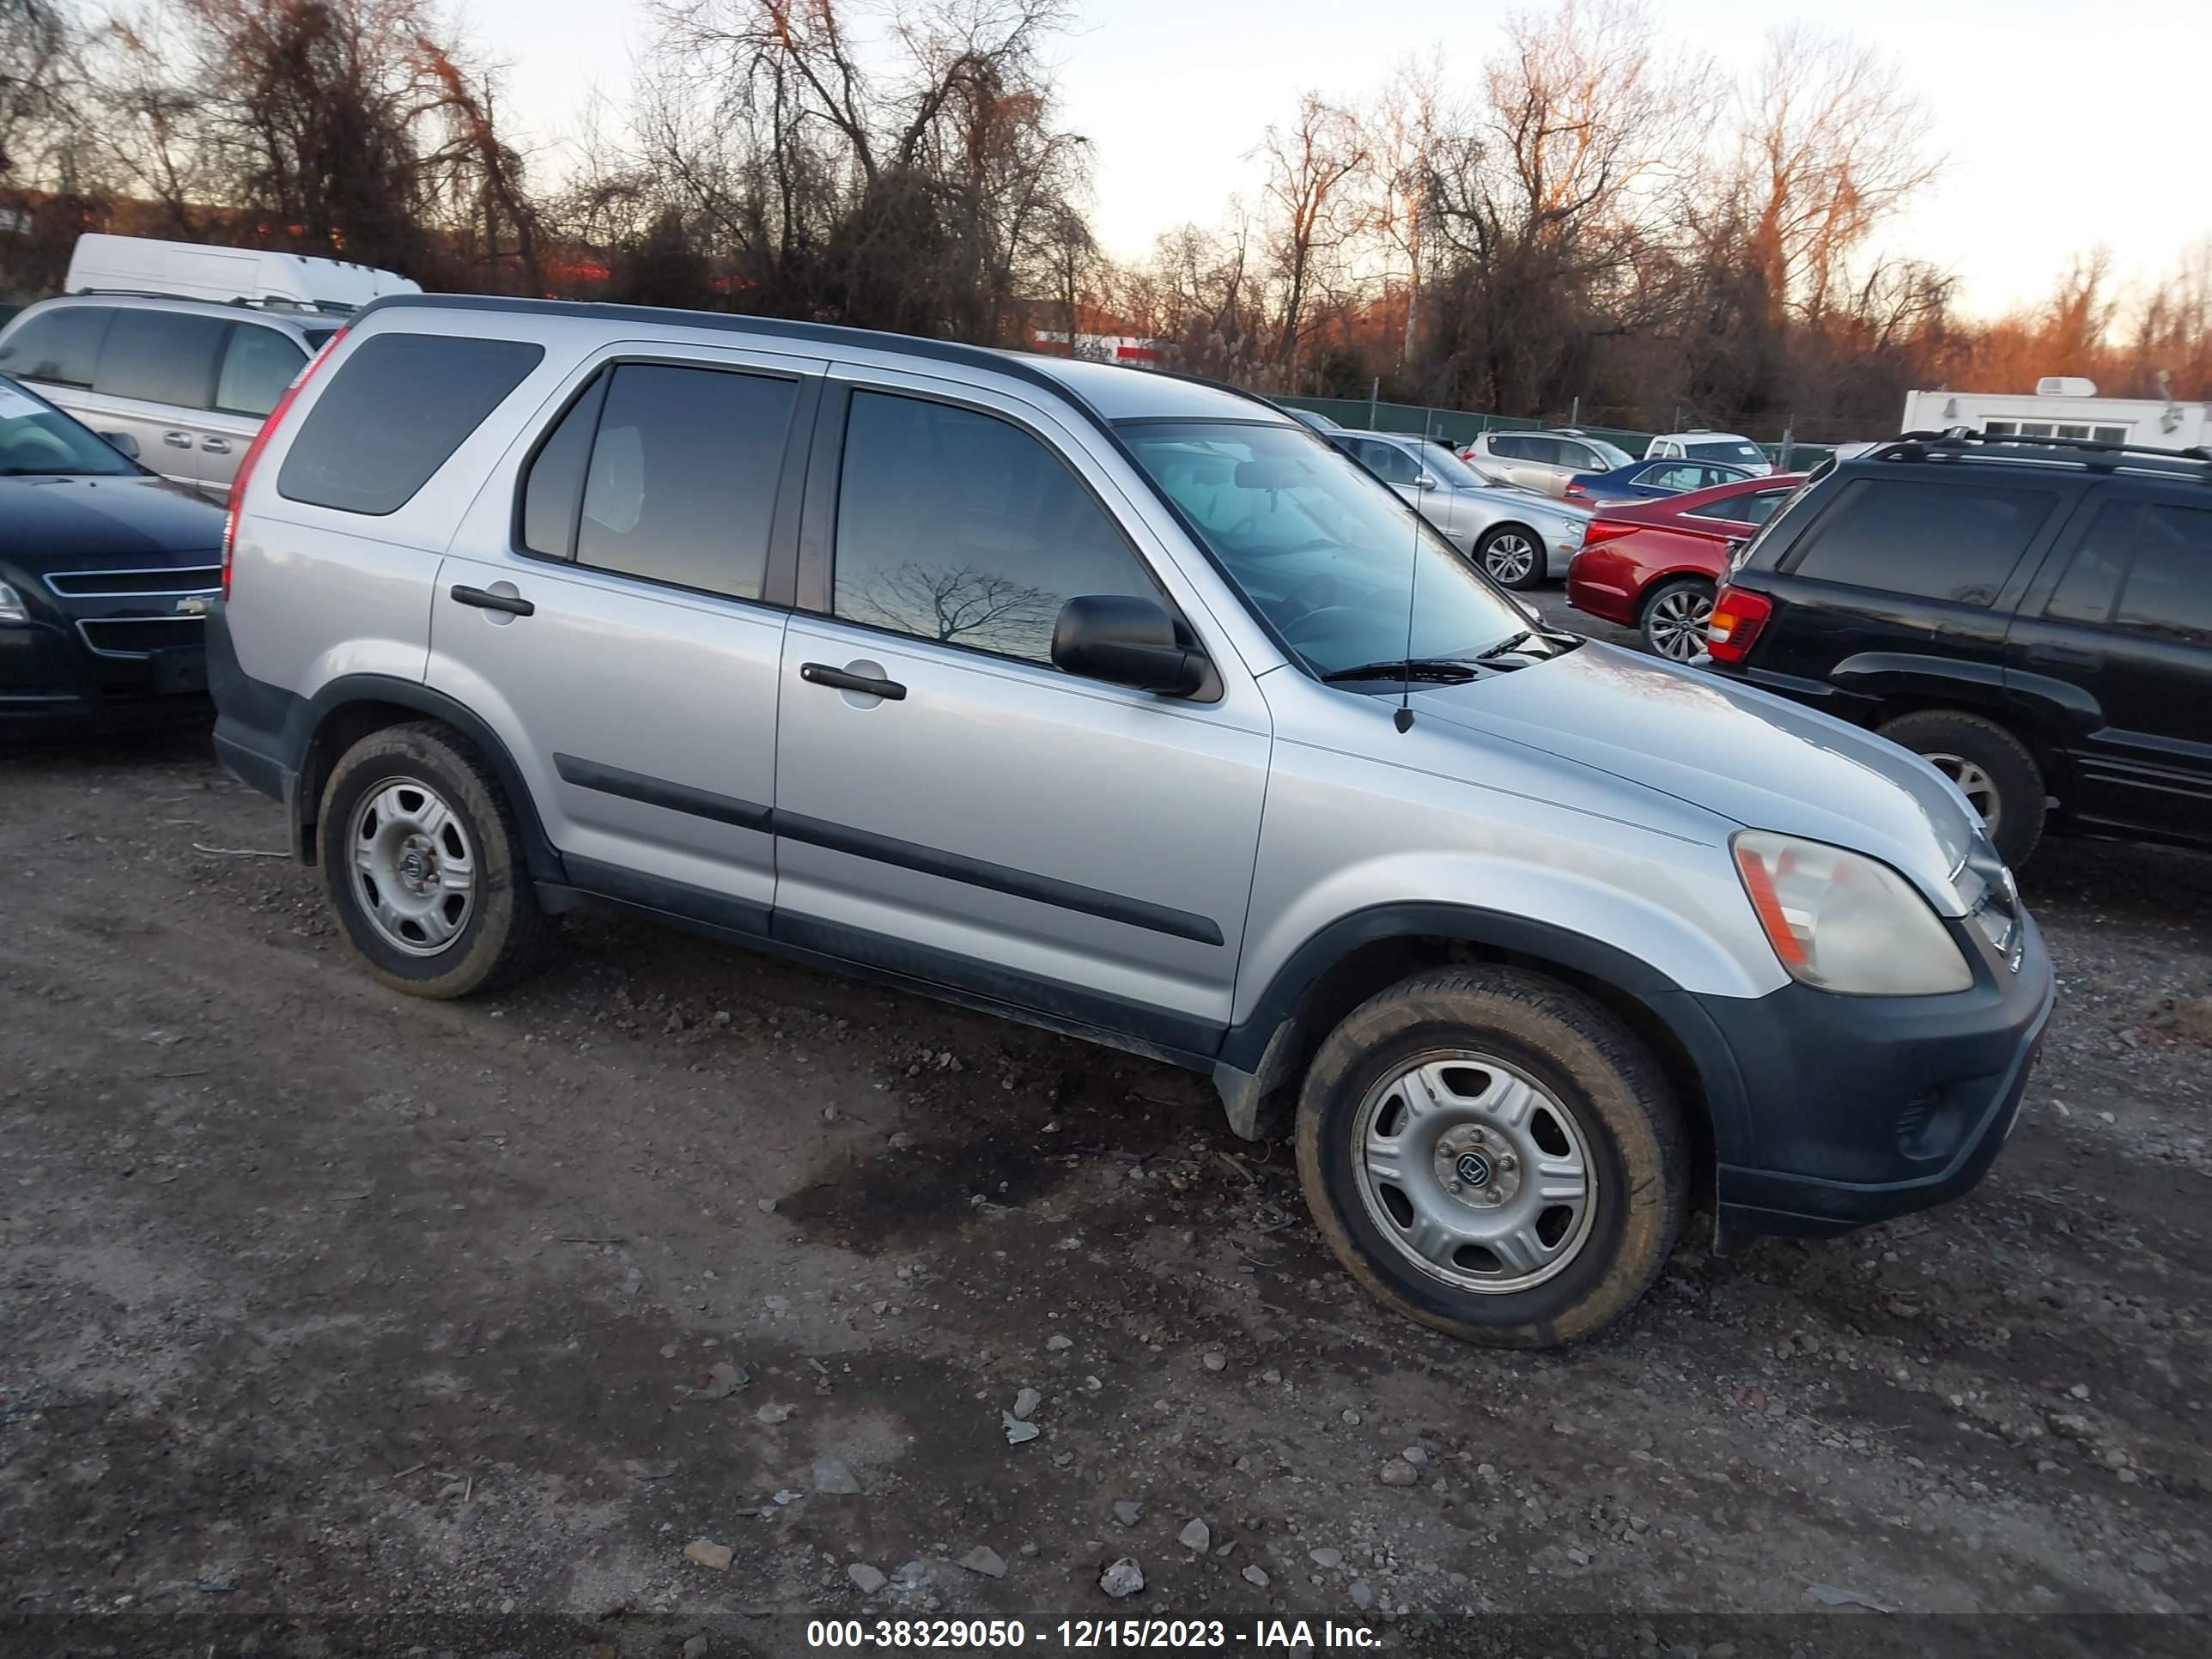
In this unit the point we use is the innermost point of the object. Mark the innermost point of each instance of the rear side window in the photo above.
(665, 473)
(398, 407)
(1930, 541)
(258, 364)
(160, 357)
(2154, 560)
(1514, 448)
(60, 347)
(1753, 506)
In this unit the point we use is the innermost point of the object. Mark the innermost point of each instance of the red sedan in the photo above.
(1653, 565)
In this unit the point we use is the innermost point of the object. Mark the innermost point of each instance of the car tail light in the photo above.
(1575, 492)
(1600, 531)
(1737, 617)
(253, 452)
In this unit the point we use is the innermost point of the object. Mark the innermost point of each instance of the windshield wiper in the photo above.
(1435, 670)
(1505, 645)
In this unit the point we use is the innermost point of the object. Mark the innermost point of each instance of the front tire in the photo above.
(422, 862)
(1491, 1153)
(1674, 617)
(1992, 767)
(1510, 555)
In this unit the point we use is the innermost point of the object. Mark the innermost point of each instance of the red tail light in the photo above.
(1737, 617)
(253, 452)
(1575, 492)
(1606, 530)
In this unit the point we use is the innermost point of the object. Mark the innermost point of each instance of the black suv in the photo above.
(2034, 617)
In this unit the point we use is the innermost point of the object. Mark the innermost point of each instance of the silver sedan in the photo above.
(1518, 536)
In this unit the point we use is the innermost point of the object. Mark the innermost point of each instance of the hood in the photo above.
(58, 523)
(1764, 764)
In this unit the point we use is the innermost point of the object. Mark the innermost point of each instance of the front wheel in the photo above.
(1512, 555)
(1491, 1153)
(1674, 618)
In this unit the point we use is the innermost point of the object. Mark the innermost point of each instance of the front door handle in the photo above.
(820, 673)
(216, 445)
(483, 599)
(178, 439)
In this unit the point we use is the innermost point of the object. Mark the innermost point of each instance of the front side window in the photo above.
(60, 347)
(160, 357)
(398, 407)
(38, 441)
(1332, 559)
(957, 526)
(258, 364)
(1933, 541)
(1389, 462)
(2168, 592)
(1610, 455)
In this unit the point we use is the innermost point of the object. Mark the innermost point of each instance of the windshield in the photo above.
(37, 438)
(1321, 548)
(1611, 454)
(1743, 454)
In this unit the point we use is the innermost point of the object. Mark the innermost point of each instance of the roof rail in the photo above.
(266, 302)
(2094, 453)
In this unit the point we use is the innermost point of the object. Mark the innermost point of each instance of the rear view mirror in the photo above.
(122, 441)
(1128, 642)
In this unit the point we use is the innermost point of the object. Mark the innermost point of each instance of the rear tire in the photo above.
(422, 865)
(1453, 1212)
(1674, 617)
(1995, 768)
(1510, 555)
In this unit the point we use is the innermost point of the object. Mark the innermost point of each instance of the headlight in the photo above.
(1843, 922)
(12, 605)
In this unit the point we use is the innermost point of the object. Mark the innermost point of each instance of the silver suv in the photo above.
(1125, 706)
(189, 381)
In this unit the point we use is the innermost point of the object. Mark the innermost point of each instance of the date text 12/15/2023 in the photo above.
(1086, 1635)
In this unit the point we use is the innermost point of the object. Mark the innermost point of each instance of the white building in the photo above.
(2063, 407)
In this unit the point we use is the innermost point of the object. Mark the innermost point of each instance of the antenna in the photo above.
(1403, 719)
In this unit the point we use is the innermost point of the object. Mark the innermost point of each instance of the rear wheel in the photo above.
(1674, 618)
(1492, 1154)
(1510, 555)
(422, 864)
(1992, 767)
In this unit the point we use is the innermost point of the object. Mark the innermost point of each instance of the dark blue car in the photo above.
(106, 571)
(1649, 480)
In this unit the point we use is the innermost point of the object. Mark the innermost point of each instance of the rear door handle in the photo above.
(514, 605)
(819, 674)
(178, 439)
(216, 445)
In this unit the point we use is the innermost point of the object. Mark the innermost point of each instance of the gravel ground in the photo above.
(679, 1292)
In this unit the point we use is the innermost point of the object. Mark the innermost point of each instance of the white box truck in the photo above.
(193, 271)
(2062, 406)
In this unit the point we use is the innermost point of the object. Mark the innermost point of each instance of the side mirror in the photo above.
(1126, 641)
(122, 441)
(1424, 482)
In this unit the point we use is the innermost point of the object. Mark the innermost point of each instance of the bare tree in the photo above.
(1314, 208)
(959, 603)
(37, 86)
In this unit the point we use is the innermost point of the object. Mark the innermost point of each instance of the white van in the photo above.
(191, 270)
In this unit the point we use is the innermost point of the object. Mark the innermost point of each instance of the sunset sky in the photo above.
(2059, 135)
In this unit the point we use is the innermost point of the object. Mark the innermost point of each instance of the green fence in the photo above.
(1463, 426)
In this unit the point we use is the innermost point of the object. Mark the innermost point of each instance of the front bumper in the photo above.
(52, 684)
(1864, 1108)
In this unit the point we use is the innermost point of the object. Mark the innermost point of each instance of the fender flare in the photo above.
(1257, 1051)
(538, 855)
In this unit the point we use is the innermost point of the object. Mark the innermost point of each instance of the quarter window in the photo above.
(962, 527)
(59, 347)
(1932, 541)
(399, 406)
(257, 365)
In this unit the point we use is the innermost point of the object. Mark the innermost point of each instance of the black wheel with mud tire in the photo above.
(1493, 1154)
(422, 864)
(1992, 767)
